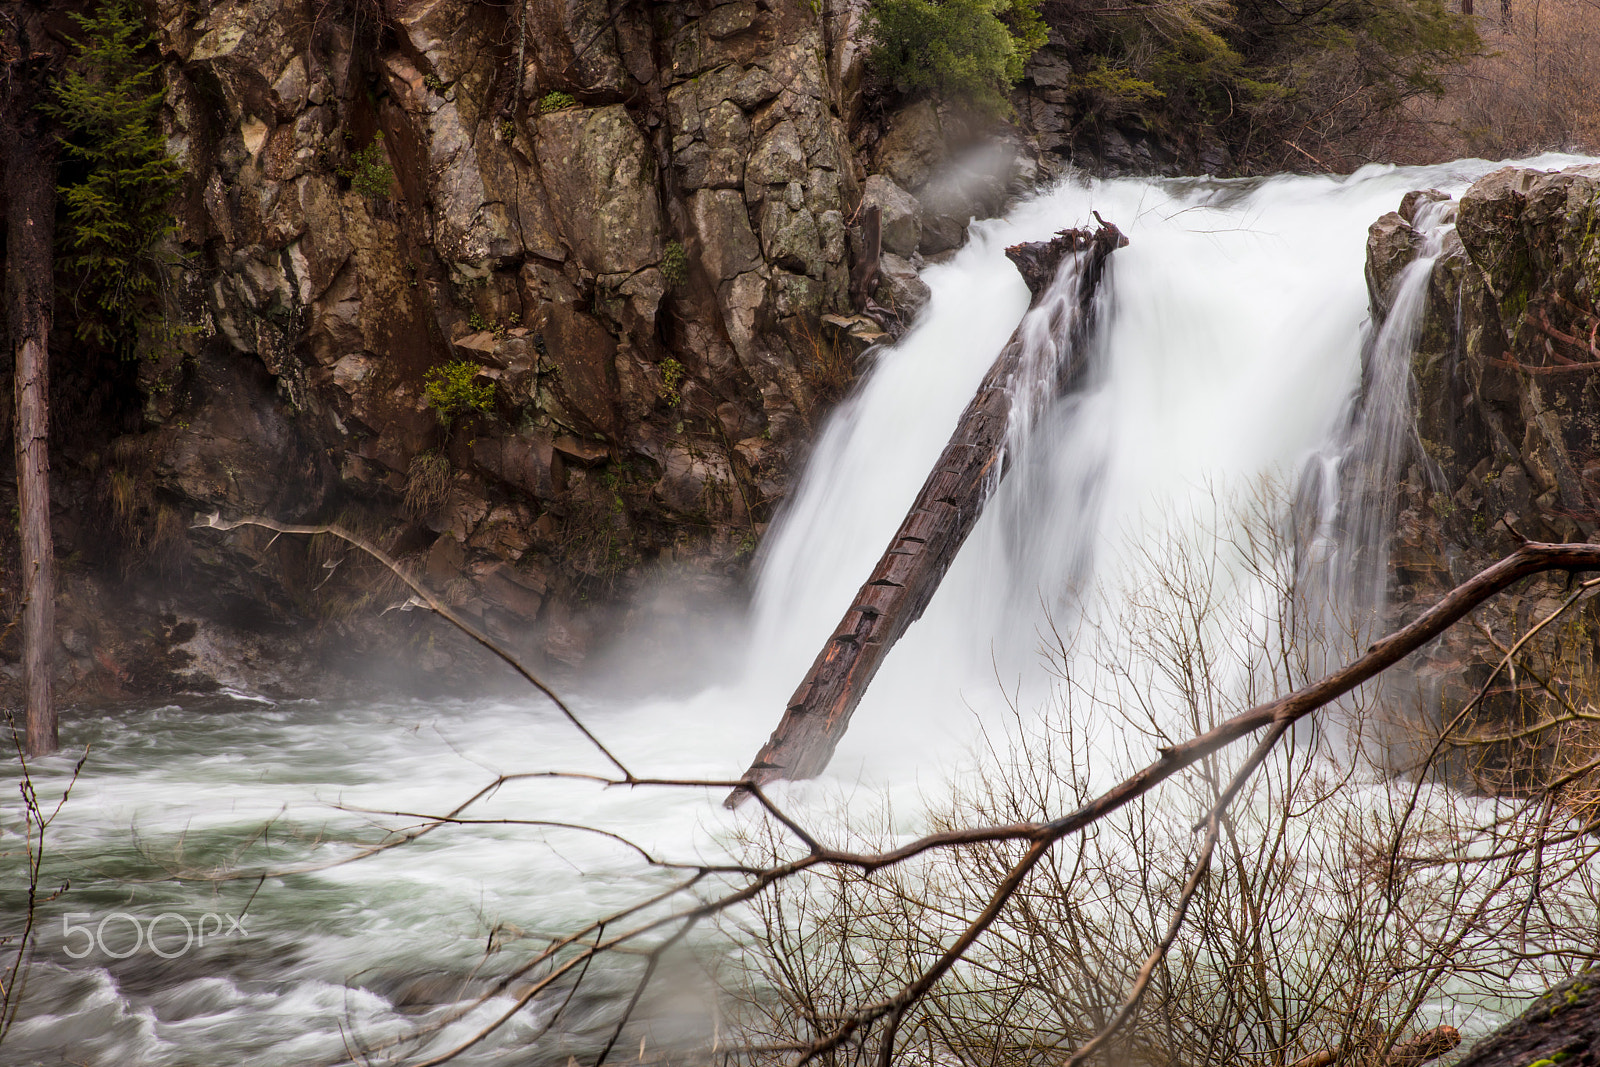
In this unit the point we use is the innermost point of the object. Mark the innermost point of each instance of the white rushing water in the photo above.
(1227, 356)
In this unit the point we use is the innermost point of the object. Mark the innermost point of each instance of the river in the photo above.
(1228, 359)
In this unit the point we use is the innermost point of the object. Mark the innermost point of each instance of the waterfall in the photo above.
(1228, 358)
(1382, 437)
(1226, 366)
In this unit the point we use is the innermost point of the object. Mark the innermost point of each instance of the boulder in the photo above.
(901, 219)
(899, 288)
(1391, 246)
(913, 146)
(600, 175)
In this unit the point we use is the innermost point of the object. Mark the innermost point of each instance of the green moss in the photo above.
(675, 264)
(556, 102)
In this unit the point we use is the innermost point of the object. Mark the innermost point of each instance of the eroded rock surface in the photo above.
(1506, 401)
(633, 228)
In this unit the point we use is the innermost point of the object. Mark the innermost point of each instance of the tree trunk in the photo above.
(30, 186)
(944, 513)
(1563, 1026)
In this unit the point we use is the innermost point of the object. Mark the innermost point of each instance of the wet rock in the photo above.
(899, 288)
(600, 176)
(1499, 438)
(1391, 246)
(1412, 201)
(901, 216)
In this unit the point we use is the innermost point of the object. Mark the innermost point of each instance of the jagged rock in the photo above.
(728, 246)
(1412, 201)
(727, 20)
(1501, 428)
(913, 146)
(1391, 246)
(577, 231)
(899, 288)
(584, 390)
(900, 220)
(789, 237)
(600, 176)
(527, 461)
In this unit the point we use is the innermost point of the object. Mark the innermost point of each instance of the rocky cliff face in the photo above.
(1507, 412)
(635, 223)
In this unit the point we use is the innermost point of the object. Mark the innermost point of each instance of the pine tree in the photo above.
(118, 202)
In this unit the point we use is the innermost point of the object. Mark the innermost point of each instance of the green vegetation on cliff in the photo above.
(968, 49)
(1284, 82)
(118, 181)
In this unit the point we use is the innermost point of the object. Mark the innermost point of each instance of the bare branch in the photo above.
(215, 521)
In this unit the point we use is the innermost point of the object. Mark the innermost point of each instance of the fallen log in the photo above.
(1423, 1048)
(1562, 1027)
(944, 513)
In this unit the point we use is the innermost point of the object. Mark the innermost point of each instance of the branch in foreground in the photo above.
(1531, 558)
(215, 521)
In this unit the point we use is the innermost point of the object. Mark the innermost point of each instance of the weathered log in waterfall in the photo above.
(1562, 1027)
(944, 513)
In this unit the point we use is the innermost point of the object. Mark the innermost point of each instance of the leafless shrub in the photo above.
(25, 841)
(1536, 89)
(1342, 910)
(1329, 909)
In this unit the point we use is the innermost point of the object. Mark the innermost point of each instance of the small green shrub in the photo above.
(480, 323)
(452, 391)
(968, 49)
(556, 102)
(369, 171)
(508, 130)
(1114, 89)
(675, 264)
(672, 375)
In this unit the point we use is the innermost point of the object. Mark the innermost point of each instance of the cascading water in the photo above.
(1382, 434)
(1227, 355)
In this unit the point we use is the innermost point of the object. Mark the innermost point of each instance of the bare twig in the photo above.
(215, 521)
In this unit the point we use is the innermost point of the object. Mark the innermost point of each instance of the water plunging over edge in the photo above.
(1228, 354)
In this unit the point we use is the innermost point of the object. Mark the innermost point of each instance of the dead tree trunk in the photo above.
(1563, 1026)
(30, 187)
(944, 513)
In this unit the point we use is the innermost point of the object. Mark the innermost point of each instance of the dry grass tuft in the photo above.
(427, 483)
(827, 364)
